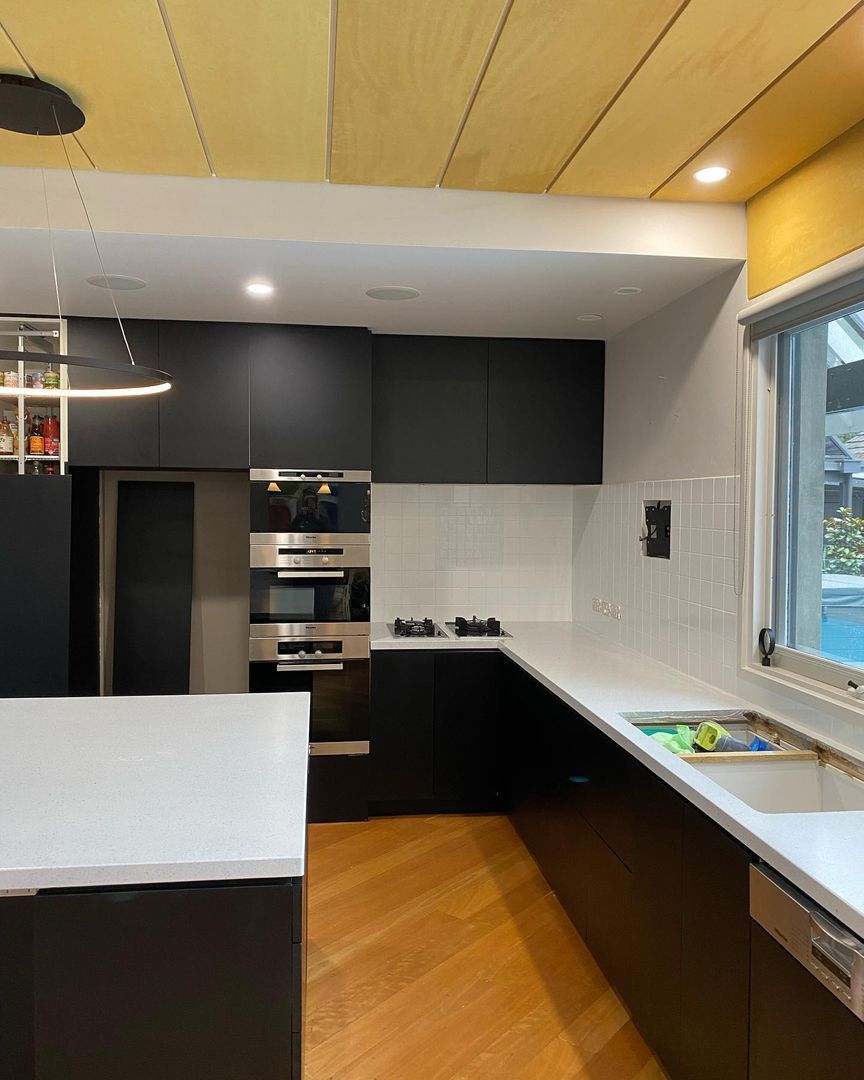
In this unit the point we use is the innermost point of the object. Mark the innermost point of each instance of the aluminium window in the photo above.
(815, 544)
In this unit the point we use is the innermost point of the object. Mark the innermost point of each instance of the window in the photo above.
(817, 547)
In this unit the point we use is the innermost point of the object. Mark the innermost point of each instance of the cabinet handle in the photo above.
(579, 779)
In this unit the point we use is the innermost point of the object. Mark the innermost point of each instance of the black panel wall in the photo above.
(84, 630)
(545, 412)
(310, 397)
(119, 434)
(153, 587)
(429, 399)
(34, 583)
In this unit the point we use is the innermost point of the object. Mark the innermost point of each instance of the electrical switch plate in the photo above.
(658, 529)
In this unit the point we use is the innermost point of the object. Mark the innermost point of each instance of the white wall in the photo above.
(442, 550)
(670, 388)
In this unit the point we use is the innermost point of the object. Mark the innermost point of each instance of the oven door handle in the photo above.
(311, 574)
(310, 667)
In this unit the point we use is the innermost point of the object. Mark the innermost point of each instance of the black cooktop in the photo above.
(475, 627)
(416, 628)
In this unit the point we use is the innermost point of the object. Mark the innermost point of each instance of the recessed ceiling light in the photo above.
(628, 290)
(393, 292)
(711, 175)
(589, 317)
(117, 282)
(259, 288)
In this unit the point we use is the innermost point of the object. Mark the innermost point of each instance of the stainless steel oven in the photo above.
(330, 661)
(309, 507)
(321, 595)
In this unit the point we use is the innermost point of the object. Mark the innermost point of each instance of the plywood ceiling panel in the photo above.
(260, 88)
(27, 150)
(115, 59)
(820, 98)
(404, 73)
(554, 69)
(714, 60)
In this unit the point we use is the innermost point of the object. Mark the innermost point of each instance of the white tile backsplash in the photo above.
(681, 611)
(441, 550)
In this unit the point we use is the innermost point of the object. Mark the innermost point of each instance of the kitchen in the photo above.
(430, 560)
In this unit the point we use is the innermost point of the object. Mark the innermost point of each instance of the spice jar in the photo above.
(11, 378)
(51, 380)
(38, 380)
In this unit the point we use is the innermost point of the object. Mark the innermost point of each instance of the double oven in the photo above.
(309, 601)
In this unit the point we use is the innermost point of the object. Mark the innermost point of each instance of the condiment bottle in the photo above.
(52, 436)
(7, 438)
(37, 436)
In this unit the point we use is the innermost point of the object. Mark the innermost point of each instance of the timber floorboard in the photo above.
(437, 951)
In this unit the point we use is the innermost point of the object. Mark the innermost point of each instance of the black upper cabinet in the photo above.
(545, 412)
(204, 418)
(113, 433)
(310, 397)
(429, 398)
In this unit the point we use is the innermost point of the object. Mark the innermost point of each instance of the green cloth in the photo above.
(679, 742)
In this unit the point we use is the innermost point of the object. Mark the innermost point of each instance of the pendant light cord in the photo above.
(95, 242)
(51, 244)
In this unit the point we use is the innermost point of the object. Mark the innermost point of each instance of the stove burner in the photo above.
(475, 627)
(415, 628)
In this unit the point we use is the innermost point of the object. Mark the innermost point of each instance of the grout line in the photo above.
(331, 86)
(758, 97)
(608, 106)
(178, 60)
(475, 89)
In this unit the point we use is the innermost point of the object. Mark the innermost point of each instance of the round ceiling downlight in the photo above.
(392, 292)
(117, 282)
(259, 288)
(33, 107)
(589, 316)
(628, 290)
(713, 174)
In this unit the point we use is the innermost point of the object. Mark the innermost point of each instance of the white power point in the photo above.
(606, 607)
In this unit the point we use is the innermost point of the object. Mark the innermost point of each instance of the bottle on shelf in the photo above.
(7, 438)
(52, 436)
(37, 437)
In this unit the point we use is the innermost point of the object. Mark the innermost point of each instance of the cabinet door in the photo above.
(715, 953)
(113, 433)
(609, 799)
(429, 409)
(16, 988)
(204, 418)
(798, 1029)
(310, 397)
(656, 976)
(545, 412)
(609, 912)
(171, 982)
(467, 768)
(401, 726)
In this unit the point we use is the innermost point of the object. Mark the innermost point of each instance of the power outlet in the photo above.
(606, 607)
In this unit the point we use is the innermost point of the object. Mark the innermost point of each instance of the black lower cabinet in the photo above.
(715, 953)
(798, 1029)
(175, 982)
(435, 731)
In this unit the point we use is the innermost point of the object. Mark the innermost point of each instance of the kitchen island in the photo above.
(152, 859)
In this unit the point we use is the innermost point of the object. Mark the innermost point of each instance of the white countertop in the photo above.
(130, 790)
(818, 852)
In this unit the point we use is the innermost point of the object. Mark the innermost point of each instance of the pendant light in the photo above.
(30, 106)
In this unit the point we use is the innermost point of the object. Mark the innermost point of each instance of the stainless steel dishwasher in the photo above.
(806, 987)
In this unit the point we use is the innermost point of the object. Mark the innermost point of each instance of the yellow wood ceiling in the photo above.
(596, 97)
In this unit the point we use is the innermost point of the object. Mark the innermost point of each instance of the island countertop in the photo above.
(137, 790)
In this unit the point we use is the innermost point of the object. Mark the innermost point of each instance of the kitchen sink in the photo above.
(797, 775)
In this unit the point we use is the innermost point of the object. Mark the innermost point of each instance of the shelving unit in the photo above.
(41, 343)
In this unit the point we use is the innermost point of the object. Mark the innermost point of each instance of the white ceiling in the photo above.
(468, 291)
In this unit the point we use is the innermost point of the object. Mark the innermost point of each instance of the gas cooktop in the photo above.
(416, 628)
(475, 627)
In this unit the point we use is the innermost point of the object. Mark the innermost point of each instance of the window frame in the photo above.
(766, 495)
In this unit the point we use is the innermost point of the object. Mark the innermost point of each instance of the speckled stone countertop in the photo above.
(133, 790)
(818, 852)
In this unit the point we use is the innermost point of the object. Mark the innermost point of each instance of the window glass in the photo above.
(819, 563)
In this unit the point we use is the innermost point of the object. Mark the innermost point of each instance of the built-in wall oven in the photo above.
(309, 620)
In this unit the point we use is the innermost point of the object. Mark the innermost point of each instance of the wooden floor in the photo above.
(437, 951)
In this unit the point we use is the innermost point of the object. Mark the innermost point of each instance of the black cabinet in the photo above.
(204, 418)
(467, 770)
(545, 412)
(429, 401)
(35, 585)
(169, 981)
(715, 951)
(116, 433)
(798, 1029)
(310, 397)
(434, 731)
(401, 729)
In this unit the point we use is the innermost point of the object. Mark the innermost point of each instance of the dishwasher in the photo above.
(806, 987)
